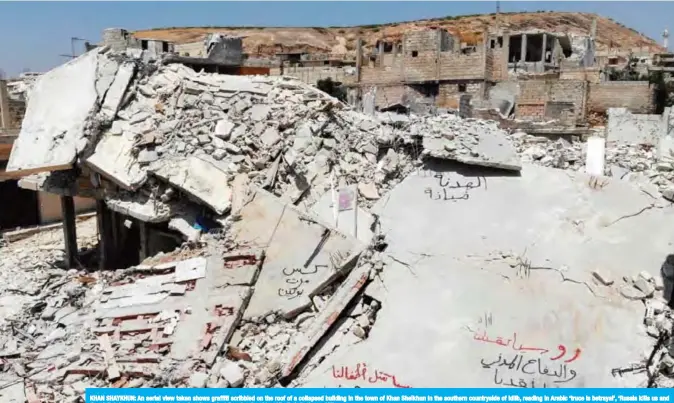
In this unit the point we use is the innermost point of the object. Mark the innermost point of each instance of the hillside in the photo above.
(340, 40)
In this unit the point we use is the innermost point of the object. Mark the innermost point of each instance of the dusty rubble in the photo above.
(275, 285)
(160, 143)
(634, 162)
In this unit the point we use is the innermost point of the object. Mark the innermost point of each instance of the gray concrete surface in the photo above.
(467, 274)
(56, 124)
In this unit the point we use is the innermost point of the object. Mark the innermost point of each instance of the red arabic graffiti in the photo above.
(513, 343)
(361, 373)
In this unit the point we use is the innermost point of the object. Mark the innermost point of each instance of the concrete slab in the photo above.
(54, 131)
(113, 159)
(198, 178)
(305, 341)
(289, 276)
(626, 127)
(324, 209)
(488, 150)
(480, 283)
(115, 93)
(139, 206)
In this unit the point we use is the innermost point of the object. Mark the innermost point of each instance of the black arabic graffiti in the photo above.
(446, 191)
(294, 289)
(530, 368)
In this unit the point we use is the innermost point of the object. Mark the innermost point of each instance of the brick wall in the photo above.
(420, 41)
(388, 95)
(383, 75)
(311, 75)
(449, 94)
(636, 96)
(535, 94)
(530, 111)
(116, 38)
(499, 67)
(194, 49)
(423, 67)
(588, 74)
(456, 66)
(16, 111)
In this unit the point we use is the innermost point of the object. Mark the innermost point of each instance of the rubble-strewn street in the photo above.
(279, 237)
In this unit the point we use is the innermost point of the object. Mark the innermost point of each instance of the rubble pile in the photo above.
(625, 161)
(657, 362)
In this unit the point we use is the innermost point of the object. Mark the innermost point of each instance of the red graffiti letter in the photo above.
(563, 351)
(575, 356)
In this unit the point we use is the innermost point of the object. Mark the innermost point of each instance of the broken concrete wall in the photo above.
(626, 127)
(225, 49)
(290, 276)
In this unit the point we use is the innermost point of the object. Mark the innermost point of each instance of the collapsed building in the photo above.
(254, 231)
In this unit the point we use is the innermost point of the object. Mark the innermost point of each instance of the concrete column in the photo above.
(69, 230)
(523, 50)
(5, 117)
(106, 246)
(380, 54)
(359, 58)
(144, 244)
(545, 40)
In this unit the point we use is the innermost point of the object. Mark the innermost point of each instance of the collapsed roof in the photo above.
(354, 250)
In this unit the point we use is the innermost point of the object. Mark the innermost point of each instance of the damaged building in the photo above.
(253, 231)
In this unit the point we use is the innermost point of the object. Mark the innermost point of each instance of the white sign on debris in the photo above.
(596, 149)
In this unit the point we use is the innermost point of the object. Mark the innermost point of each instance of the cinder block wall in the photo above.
(311, 75)
(387, 95)
(535, 94)
(115, 38)
(193, 49)
(457, 66)
(591, 75)
(449, 94)
(17, 109)
(636, 96)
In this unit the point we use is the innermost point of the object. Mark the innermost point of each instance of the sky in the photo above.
(35, 34)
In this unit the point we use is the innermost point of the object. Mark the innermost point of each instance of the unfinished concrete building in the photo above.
(427, 68)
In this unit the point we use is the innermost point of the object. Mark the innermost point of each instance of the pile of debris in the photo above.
(284, 172)
(634, 162)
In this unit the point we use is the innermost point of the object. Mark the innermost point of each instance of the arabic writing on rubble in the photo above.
(295, 279)
(448, 190)
(531, 368)
(513, 344)
(527, 370)
(360, 372)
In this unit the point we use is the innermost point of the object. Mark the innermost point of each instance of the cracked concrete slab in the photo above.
(113, 158)
(289, 276)
(53, 132)
(199, 178)
(473, 284)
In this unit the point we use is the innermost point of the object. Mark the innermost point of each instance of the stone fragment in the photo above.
(146, 157)
(270, 137)
(259, 112)
(219, 154)
(198, 380)
(223, 129)
(203, 139)
(232, 373)
(368, 190)
(631, 293)
(645, 287)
